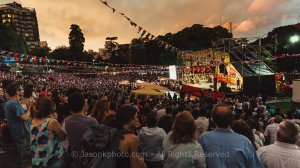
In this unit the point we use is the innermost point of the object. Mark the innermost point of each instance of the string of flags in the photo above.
(185, 55)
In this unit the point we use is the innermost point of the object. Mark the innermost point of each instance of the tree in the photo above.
(40, 52)
(61, 53)
(11, 41)
(76, 40)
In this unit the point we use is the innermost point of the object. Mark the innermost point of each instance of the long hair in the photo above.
(42, 108)
(241, 127)
(100, 110)
(184, 128)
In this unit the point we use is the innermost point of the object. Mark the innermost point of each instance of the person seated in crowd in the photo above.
(182, 140)
(234, 150)
(284, 152)
(151, 138)
(46, 137)
(76, 124)
(241, 127)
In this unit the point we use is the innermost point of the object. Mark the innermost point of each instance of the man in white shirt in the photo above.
(201, 123)
(284, 152)
(272, 129)
(161, 112)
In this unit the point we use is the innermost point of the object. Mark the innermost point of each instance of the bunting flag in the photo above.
(127, 18)
(151, 37)
(143, 33)
(104, 2)
(139, 29)
(167, 46)
(133, 24)
(147, 36)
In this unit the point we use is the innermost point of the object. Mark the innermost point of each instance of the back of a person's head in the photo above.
(135, 101)
(29, 86)
(295, 116)
(180, 109)
(151, 120)
(195, 112)
(251, 122)
(202, 112)
(288, 132)
(43, 108)
(241, 127)
(222, 115)
(278, 119)
(72, 90)
(183, 130)
(76, 102)
(12, 89)
(169, 110)
(113, 105)
(124, 115)
(248, 112)
(27, 92)
(95, 97)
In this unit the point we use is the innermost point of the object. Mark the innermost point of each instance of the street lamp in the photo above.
(294, 39)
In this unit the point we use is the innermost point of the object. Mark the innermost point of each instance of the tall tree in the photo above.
(61, 53)
(76, 40)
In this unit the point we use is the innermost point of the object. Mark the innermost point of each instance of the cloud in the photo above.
(97, 21)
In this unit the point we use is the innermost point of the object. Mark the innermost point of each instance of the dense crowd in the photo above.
(47, 117)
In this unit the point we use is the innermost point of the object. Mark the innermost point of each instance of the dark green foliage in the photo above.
(40, 52)
(10, 41)
(76, 40)
(192, 38)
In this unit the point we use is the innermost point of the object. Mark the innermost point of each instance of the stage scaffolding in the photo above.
(230, 59)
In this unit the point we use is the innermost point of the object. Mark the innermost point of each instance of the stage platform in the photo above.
(195, 89)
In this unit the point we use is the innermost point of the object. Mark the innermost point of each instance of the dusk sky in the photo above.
(250, 18)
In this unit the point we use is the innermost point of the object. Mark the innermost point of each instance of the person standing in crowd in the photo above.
(233, 150)
(201, 123)
(100, 110)
(151, 138)
(18, 122)
(242, 128)
(46, 137)
(125, 118)
(76, 124)
(166, 121)
(27, 98)
(161, 110)
(271, 130)
(2, 103)
(284, 152)
(182, 140)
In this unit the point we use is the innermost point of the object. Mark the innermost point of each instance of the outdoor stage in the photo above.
(195, 89)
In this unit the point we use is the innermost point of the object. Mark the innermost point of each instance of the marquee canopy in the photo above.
(146, 91)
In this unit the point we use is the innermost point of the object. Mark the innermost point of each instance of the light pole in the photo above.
(294, 39)
(46, 63)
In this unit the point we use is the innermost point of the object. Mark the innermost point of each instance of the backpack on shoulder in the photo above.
(100, 145)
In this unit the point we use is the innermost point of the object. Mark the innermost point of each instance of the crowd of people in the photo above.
(46, 117)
